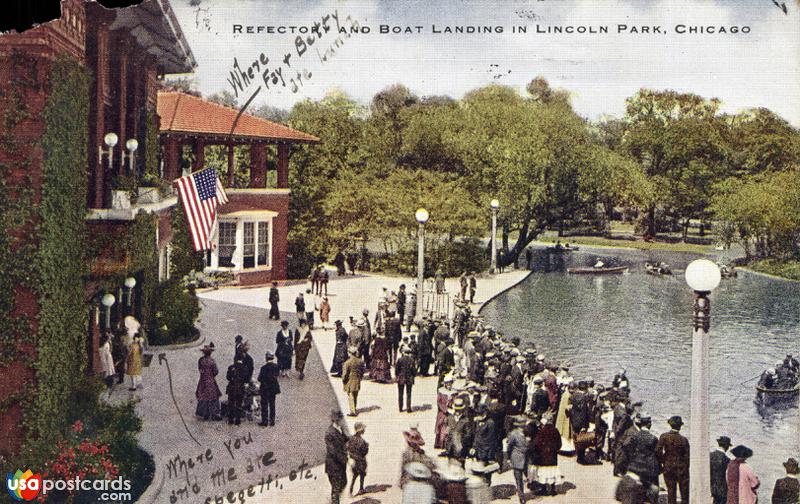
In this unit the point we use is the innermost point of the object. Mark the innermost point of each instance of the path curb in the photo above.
(486, 303)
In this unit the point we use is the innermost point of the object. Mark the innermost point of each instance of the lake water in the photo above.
(600, 323)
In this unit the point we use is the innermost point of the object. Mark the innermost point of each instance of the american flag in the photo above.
(200, 194)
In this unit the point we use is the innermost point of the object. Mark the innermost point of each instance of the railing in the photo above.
(437, 303)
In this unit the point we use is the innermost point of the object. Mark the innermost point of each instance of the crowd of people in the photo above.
(501, 405)
(504, 405)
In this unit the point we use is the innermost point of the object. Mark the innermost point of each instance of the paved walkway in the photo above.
(304, 410)
(227, 457)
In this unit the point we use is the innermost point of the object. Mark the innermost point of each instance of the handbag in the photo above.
(584, 440)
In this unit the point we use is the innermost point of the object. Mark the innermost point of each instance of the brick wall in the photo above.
(264, 200)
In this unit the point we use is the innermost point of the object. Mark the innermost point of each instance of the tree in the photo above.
(670, 133)
(761, 141)
(271, 113)
(761, 211)
(525, 153)
(225, 98)
(541, 92)
(337, 121)
(386, 124)
(183, 85)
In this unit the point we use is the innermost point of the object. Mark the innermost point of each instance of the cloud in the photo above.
(600, 70)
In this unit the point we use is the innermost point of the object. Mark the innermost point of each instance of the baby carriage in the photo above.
(252, 400)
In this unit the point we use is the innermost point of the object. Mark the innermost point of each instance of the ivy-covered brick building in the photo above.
(69, 84)
(90, 149)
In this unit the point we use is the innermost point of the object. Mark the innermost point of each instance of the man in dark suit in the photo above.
(394, 333)
(404, 372)
(540, 402)
(673, 455)
(787, 490)
(445, 360)
(336, 456)
(579, 416)
(274, 298)
(719, 467)
(401, 303)
(640, 452)
(268, 377)
(517, 454)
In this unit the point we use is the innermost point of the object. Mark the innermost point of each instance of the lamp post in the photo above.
(130, 283)
(495, 205)
(422, 217)
(108, 301)
(132, 144)
(110, 140)
(703, 276)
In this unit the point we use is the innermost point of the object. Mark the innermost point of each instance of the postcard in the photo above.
(370, 251)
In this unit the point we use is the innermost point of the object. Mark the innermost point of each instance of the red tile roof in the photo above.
(183, 113)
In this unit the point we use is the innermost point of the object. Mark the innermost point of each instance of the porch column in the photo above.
(258, 166)
(231, 165)
(199, 148)
(238, 253)
(172, 158)
(283, 166)
(122, 105)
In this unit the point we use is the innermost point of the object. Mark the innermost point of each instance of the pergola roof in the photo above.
(190, 115)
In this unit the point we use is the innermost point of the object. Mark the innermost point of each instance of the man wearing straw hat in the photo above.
(461, 431)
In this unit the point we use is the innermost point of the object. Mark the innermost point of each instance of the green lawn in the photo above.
(598, 241)
(784, 269)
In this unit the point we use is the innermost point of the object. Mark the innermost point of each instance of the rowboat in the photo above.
(561, 249)
(597, 271)
(771, 396)
(656, 269)
(787, 393)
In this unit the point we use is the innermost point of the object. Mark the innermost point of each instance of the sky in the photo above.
(599, 70)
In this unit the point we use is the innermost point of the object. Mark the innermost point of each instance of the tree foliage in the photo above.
(548, 167)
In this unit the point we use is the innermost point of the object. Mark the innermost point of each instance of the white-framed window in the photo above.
(249, 250)
(243, 242)
(226, 245)
(264, 247)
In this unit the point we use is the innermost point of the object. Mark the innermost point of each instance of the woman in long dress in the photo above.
(208, 392)
(444, 399)
(562, 420)
(107, 361)
(324, 312)
(340, 350)
(133, 364)
(283, 353)
(742, 481)
(547, 444)
(380, 370)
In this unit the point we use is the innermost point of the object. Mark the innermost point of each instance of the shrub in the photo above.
(175, 311)
(99, 442)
